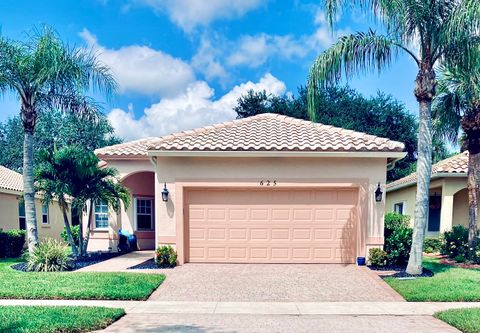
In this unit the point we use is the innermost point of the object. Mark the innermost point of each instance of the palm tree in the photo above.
(458, 106)
(45, 73)
(72, 176)
(427, 31)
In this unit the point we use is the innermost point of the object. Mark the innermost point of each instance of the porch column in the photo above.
(446, 213)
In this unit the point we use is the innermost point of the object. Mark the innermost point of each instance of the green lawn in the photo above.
(466, 320)
(75, 285)
(449, 284)
(46, 319)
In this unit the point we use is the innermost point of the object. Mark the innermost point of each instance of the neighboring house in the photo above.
(448, 195)
(12, 208)
(264, 189)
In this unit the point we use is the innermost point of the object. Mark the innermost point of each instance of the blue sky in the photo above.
(183, 63)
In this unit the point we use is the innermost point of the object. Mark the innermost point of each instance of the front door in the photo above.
(434, 213)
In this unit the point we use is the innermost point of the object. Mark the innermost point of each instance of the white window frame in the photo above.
(95, 213)
(404, 206)
(45, 213)
(152, 215)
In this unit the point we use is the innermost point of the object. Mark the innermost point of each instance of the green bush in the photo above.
(165, 256)
(456, 242)
(377, 257)
(12, 243)
(75, 234)
(50, 255)
(398, 238)
(432, 245)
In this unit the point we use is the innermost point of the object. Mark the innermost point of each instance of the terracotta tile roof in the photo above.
(137, 148)
(457, 164)
(10, 180)
(264, 132)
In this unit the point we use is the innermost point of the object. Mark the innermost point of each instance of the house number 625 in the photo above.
(268, 183)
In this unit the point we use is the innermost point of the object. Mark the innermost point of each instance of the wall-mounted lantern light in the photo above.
(165, 193)
(378, 194)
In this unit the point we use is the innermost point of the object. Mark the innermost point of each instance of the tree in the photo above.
(429, 32)
(54, 129)
(458, 106)
(72, 176)
(47, 74)
(380, 115)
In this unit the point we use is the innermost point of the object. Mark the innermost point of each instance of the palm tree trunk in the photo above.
(472, 187)
(69, 232)
(424, 92)
(87, 229)
(29, 192)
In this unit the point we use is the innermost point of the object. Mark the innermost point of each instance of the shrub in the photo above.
(50, 255)
(75, 234)
(12, 243)
(165, 256)
(432, 245)
(398, 238)
(377, 257)
(456, 242)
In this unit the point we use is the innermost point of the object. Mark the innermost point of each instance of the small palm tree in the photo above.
(72, 176)
(45, 73)
(429, 32)
(458, 106)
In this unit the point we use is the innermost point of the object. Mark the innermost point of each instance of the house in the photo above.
(12, 208)
(448, 195)
(264, 189)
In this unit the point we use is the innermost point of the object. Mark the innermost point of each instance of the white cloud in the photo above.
(207, 62)
(189, 14)
(194, 108)
(143, 70)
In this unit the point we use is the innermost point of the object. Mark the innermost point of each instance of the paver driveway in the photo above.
(195, 323)
(273, 283)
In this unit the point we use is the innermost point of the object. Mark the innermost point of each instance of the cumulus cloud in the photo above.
(207, 61)
(194, 108)
(189, 14)
(143, 70)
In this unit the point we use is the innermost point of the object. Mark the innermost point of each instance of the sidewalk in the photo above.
(121, 263)
(261, 308)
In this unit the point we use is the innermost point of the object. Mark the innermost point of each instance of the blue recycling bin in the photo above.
(126, 241)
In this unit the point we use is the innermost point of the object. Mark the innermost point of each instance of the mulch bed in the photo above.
(399, 272)
(91, 259)
(451, 262)
(149, 264)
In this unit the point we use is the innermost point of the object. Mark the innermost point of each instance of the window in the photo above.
(398, 208)
(45, 214)
(144, 213)
(101, 215)
(21, 215)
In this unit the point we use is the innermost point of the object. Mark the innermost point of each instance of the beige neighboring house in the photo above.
(264, 189)
(448, 195)
(12, 208)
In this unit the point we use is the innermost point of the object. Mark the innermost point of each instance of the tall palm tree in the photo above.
(72, 177)
(456, 106)
(46, 73)
(428, 32)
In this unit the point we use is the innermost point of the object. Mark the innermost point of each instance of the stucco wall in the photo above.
(454, 200)
(299, 170)
(9, 216)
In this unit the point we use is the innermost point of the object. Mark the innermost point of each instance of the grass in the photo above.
(466, 320)
(75, 285)
(449, 284)
(46, 319)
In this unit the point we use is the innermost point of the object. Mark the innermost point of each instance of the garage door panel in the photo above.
(304, 226)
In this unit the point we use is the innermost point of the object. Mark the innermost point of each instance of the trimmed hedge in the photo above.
(398, 238)
(11, 243)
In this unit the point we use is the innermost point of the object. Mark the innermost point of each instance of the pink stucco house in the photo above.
(264, 189)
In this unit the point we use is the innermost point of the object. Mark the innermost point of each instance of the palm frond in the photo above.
(352, 54)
